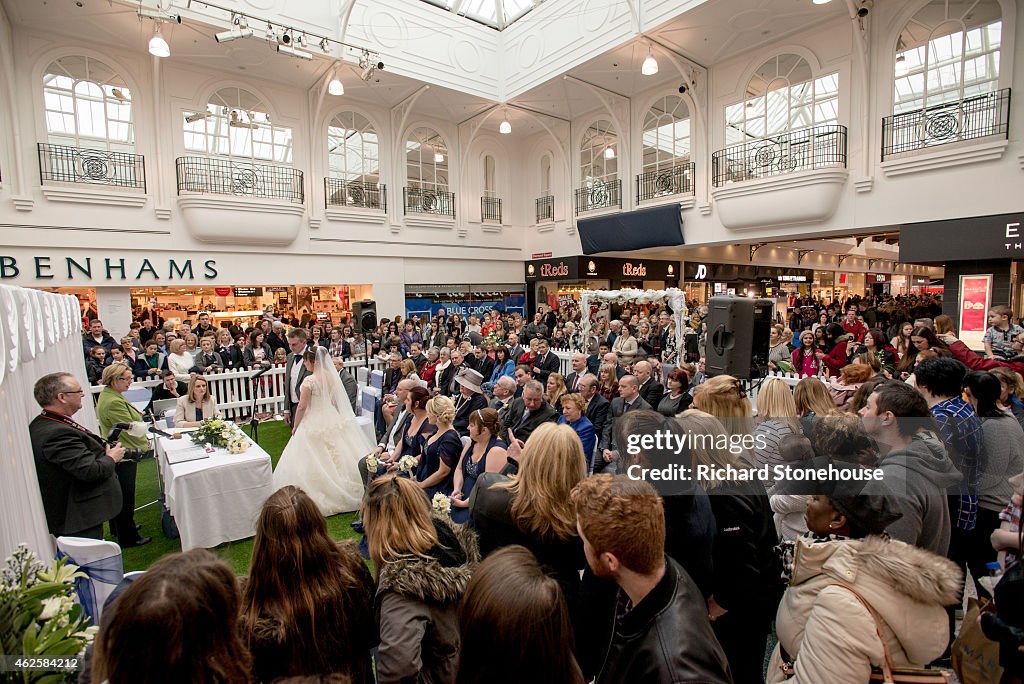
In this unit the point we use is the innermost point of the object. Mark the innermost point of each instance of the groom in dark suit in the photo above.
(74, 467)
(294, 372)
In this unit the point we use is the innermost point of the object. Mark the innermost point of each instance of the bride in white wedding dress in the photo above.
(322, 456)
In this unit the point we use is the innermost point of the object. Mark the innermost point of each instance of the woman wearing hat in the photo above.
(849, 583)
(469, 399)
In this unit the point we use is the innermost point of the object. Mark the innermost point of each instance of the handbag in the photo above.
(888, 673)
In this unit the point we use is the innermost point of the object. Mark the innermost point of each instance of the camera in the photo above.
(129, 454)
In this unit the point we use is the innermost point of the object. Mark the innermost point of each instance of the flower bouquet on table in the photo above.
(221, 433)
(39, 619)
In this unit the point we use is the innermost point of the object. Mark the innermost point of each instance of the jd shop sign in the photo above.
(88, 269)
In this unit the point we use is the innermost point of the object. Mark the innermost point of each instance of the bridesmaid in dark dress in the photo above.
(484, 453)
(440, 451)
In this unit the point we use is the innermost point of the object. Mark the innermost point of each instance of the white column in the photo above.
(390, 298)
(114, 305)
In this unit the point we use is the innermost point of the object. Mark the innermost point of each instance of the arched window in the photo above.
(426, 160)
(948, 52)
(489, 185)
(545, 175)
(666, 149)
(353, 149)
(599, 154)
(87, 104)
(236, 124)
(782, 96)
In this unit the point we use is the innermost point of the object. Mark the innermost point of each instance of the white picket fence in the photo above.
(233, 390)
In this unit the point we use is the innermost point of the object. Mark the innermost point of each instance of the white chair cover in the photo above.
(101, 562)
(377, 379)
(362, 375)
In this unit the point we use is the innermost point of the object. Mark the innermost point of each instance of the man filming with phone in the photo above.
(75, 467)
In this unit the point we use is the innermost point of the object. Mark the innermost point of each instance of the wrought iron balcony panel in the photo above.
(356, 194)
(820, 147)
(240, 178)
(976, 117)
(546, 209)
(67, 164)
(429, 201)
(676, 180)
(490, 209)
(599, 195)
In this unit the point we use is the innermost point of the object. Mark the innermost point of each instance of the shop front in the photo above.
(426, 301)
(559, 281)
(703, 281)
(982, 257)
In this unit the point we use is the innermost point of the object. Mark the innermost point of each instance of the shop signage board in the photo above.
(95, 269)
(429, 306)
(222, 291)
(975, 299)
(999, 236)
(603, 268)
(277, 289)
(248, 291)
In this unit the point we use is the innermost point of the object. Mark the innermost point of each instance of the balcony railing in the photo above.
(427, 201)
(490, 209)
(599, 195)
(808, 148)
(677, 180)
(343, 193)
(241, 178)
(65, 164)
(546, 209)
(968, 119)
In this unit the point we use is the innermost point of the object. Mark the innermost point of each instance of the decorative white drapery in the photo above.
(672, 299)
(40, 333)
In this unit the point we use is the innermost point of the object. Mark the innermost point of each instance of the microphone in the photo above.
(261, 372)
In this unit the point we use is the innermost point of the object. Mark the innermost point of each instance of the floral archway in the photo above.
(671, 299)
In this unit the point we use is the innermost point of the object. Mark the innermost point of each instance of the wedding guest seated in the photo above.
(512, 607)
(468, 400)
(172, 387)
(177, 623)
(196, 406)
(423, 564)
(440, 450)
(485, 452)
(573, 408)
(307, 605)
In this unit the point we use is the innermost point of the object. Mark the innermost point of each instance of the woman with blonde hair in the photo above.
(745, 586)
(812, 402)
(307, 605)
(191, 344)
(423, 565)
(723, 397)
(607, 382)
(555, 390)
(179, 360)
(440, 450)
(776, 418)
(196, 406)
(532, 508)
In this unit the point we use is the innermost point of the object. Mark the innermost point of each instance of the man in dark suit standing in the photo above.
(628, 400)
(294, 372)
(651, 390)
(75, 468)
(545, 364)
(597, 406)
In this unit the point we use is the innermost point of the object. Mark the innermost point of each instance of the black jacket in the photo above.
(652, 392)
(76, 477)
(548, 364)
(618, 406)
(465, 408)
(597, 413)
(231, 356)
(545, 414)
(667, 637)
(484, 367)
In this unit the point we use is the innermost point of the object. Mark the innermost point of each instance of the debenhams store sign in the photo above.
(96, 270)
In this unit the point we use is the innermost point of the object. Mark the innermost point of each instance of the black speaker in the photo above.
(364, 314)
(738, 336)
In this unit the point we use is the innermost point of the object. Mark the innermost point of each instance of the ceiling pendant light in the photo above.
(158, 47)
(609, 153)
(650, 65)
(504, 127)
(821, 2)
(438, 157)
(335, 87)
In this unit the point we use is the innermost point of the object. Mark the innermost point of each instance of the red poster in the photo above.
(974, 295)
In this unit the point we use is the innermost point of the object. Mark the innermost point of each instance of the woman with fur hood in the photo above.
(826, 632)
(423, 565)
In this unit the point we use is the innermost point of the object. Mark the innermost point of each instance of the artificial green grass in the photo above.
(273, 436)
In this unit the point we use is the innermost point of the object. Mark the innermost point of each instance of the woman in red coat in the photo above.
(835, 358)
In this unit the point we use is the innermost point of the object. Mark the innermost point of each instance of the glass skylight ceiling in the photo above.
(494, 13)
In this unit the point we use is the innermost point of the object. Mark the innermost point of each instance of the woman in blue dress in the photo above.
(439, 453)
(485, 453)
(573, 408)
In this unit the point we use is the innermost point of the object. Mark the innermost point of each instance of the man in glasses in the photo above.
(75, 468)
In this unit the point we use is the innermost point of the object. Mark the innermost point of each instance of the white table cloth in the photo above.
(215, 499)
